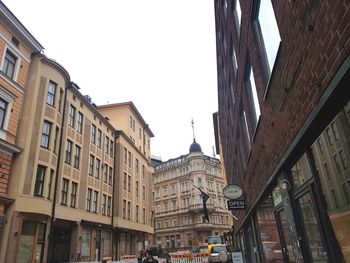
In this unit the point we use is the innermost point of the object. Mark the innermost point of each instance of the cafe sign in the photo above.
(232, 191)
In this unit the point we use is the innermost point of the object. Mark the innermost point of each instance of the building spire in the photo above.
(192, 123)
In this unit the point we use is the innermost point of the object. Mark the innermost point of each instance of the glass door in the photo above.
(291, 250)
(311, 229)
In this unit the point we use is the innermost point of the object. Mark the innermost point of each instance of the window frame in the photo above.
(80, 121)
(40, 181)
(15, 64)
(71, 116)
(64, 191)
(51, 96)
(68, 152)
(46, 134)
(267, 65)
(73, 195)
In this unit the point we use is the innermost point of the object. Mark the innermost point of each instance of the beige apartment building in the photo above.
(133, 215)
(16, 48)
(179, 208)
(63, 179)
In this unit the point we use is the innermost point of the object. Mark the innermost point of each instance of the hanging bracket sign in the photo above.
(232, 191)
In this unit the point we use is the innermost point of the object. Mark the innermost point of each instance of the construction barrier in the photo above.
(129, 259)
(188, 257)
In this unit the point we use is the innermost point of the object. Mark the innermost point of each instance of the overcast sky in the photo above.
(159, 54)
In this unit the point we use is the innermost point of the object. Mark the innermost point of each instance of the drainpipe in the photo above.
(113, 182)
(53, 211)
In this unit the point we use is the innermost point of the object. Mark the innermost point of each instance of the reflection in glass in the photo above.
(334, 173)
(291, 250)
(268, 232)
(301, 171)
(312, 230)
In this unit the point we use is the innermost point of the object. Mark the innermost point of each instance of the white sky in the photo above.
(159, 54)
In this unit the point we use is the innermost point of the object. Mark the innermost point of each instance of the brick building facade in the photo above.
(284, 125)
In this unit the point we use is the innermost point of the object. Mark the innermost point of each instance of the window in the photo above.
(9, 66)
(73, 195)
(124, 208)
(335, 131)
(129, 210)
(104, 203)
(68, 152)
(320, 145)
(107, 145)
(3, 110)
(157, 193)
(45, 136)
(165, 191)
(111, 149)
(99, 136)
(129, 159)
(109, 203)
(51, 93)
(143, 171)
(39, 181)
(71, 117)
(105, 173)
(93, 133)
(268, 32)
(64, 191)
(77, 156)
(343, 159)
(252, 93)
(97, 166)
(110, 175)
(50, 184)
(237, 12)
(337, 162)
(173, 190)
(91, 165)
(144, 216)
(94, 204)
(129, 183)
(137, 213)
(137, 188)
(125, 155)
(124, 182)
(88, 199)
(80, 122)
(143, 192)
(137, 165)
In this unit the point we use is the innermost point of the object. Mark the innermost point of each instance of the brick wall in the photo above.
(314, 44)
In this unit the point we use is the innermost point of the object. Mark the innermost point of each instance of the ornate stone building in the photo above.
(178, 206)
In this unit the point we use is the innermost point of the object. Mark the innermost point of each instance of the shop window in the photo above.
(31, 241)
(268, 230)
(267, 31)
(335, 178)
(85, 244)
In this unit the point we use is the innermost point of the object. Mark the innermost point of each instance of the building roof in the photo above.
(133, 108)
(195, 147)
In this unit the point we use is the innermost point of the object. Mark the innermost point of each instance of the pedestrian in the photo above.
(149, 258)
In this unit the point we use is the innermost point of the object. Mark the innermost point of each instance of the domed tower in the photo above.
(195, 147)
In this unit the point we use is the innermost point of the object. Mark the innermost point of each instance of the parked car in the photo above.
(273, 252)
(220, 253)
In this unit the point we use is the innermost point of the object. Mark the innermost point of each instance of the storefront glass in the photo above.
(269, 237)
(26, 242)
(331, 152)
(85, 245)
